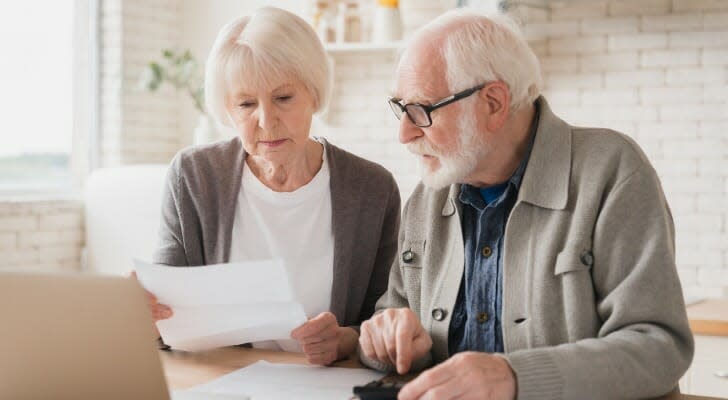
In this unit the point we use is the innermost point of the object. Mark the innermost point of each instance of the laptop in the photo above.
(76, 337)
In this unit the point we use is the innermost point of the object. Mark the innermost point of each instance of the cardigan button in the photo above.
(438, 314)
(587, 258)
(408, 256)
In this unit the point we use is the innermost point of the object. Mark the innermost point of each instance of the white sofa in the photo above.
(123, 208)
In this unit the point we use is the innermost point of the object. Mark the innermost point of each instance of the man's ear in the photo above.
(496, 104)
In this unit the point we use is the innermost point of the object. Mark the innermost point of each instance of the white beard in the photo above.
(455, 167)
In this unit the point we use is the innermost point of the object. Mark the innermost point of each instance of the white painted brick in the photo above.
(687, 76)
(715, 21)
(698, 39)
(579, 9)
(685, 168)
(18, 223)
(557, 97)
(8, 241)
(669, 130)
(715, 56)
(637, 41)
(19, 258)
(671, 95)
(710, 272)
(572, 81)
(698, 223)
(609, 62)
(670, 23)
(682, 203)
(580, 45)
(559, 64)
(60, 253)
(711, 203)
(699, 5)
(688, 275)
(595, 26)
(635, 78)
(610, 97)
(670, 58)
(539, 47)
(693, 149)
(543, 30)
(46, 238)
(641, 7)
(60, 221)
(713, 130)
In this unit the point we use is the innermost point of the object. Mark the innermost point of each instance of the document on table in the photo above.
(264, 380)
(224, 304)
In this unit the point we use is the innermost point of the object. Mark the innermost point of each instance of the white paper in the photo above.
(264, 380)
(224, 304)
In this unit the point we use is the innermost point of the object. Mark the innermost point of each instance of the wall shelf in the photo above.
(358, 47)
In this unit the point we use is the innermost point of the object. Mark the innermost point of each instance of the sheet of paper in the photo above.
(224, 304)
(264, 380)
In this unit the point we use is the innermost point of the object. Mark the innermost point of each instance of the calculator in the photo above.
(382, 389)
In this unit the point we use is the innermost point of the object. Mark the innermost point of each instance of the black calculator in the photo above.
(381, 389)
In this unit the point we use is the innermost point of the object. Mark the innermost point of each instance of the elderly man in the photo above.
(536, 259)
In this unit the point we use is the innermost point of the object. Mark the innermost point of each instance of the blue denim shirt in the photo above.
(476, 319)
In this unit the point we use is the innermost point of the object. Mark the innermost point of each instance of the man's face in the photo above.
(450, 148)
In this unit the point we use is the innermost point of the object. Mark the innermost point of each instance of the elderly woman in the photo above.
(274, 190)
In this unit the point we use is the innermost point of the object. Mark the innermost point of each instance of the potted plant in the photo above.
(181, 70)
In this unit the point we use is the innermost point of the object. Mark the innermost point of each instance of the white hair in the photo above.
(479, 49)
(261, 49)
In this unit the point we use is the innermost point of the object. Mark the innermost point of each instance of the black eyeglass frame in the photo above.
(429, 108)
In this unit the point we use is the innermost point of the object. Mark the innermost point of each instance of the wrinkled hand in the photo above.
(323, 340)
(159, 311)
(395, 337)
(467, 375)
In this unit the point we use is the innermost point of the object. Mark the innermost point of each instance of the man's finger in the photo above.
(313, 326)
(403, 338)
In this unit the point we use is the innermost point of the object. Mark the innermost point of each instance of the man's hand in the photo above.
(467, 375)
(323, 340)
(396, 337)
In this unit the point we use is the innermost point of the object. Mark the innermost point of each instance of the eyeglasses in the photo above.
(419, 114)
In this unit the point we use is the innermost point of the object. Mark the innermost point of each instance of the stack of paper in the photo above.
(264, 380)
(224, 304)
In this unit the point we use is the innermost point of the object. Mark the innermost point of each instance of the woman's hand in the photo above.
(324, 341)
(159, 311)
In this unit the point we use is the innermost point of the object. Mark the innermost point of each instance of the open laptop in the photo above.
(76, 337)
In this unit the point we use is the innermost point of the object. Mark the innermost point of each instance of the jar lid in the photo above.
(388, 3)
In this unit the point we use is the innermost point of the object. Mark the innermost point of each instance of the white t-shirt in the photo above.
(294, 226)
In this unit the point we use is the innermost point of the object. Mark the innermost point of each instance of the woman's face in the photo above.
(273, 122)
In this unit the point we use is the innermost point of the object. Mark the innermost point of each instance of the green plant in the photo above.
(181, 70)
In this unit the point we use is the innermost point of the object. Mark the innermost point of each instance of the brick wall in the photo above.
(654, 69)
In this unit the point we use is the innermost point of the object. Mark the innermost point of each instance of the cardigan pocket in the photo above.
(411, 261)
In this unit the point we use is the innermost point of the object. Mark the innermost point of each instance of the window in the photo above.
(37, 93)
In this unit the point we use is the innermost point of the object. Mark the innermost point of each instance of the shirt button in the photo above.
(438, 314)
(408, 256)
(487, 251)
(482, 317)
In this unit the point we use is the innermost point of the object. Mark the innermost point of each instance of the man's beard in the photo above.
(454, 167)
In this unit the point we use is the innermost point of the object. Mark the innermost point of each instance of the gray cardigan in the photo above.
(592, 304)
(199, 204)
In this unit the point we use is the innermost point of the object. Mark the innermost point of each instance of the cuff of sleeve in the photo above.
(537, 375)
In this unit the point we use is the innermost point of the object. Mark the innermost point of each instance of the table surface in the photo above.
(184, 370)
(709, 317)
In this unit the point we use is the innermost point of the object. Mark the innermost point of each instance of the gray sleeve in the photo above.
(395, 297)
(385, 253)
(170, 249)
(644, 344)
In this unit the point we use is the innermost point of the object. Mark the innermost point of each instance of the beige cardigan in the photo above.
(200, 200)
(592, 304)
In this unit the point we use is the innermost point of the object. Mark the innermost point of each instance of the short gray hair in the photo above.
(480, 48)
(268, 46)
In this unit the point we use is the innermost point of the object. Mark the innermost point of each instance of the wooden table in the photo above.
(709, 317)
(184, 370)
